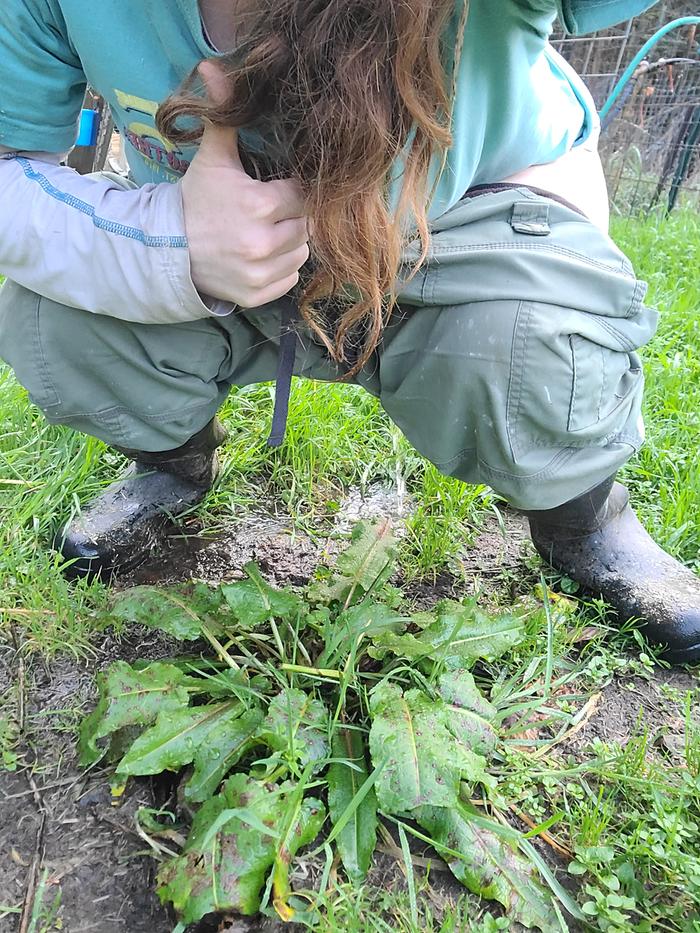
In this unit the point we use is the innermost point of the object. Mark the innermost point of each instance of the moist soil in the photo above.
(62, 826)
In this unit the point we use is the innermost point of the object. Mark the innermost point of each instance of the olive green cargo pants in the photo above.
(511, 360)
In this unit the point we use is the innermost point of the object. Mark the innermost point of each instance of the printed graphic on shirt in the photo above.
(164, 159)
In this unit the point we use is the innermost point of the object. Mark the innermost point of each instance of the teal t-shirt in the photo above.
(517, 103)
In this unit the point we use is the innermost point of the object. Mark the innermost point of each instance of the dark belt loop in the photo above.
(285, 369)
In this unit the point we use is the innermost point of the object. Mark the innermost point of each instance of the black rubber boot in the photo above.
(598, 541)
(118, 529)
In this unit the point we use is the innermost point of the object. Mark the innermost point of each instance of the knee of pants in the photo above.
(147, 387)
(539, 402)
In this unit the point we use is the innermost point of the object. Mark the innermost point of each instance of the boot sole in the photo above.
(689, 655)
(80, 569)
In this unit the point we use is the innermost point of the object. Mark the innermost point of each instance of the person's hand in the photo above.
(247, 238)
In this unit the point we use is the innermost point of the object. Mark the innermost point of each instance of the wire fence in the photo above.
(651, 139)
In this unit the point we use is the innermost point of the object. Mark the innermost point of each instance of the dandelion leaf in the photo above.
(297, 724)
(366, 620)
(469, 713)
(177, 611)
(425, 752)
(490, 867)
(227, 742)
(129, 697)
(176, 737)
(254, 602)
(224, 865)
(406, 646)
(365, 565)
(459, 635)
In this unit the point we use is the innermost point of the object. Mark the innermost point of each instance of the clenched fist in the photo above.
(247, 238)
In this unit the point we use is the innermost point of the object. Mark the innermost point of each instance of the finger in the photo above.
(295, 258)
(219, 146)
(272, 292)
(215, 81)
(219, 143)
(282, 266)
(288, 235)
(261, 275)
(290, 199)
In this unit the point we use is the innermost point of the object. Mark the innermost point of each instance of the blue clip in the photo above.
(89, 128)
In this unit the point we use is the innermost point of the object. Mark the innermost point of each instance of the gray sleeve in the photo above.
(55, 157)
(97, 243)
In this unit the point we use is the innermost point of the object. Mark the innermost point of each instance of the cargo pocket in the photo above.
(575, 380)
(602, 380)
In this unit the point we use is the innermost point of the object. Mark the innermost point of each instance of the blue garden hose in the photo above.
(640, 56)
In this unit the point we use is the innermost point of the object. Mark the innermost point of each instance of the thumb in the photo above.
(218, 142)
(219, 145)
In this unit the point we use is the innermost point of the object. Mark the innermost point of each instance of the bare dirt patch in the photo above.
(629, 706)
(55, 817)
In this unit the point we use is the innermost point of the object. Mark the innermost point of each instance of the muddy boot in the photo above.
(598, 541)
(118, 529)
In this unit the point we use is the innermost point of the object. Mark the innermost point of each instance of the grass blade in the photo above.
(410, 876)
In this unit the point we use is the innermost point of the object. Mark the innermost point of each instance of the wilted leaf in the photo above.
(558, 602)
(227, 871)
(297, 724)
(490, 867)
(425, 749)
(298, 830)
(129, 698)
(227, 742)
(178, 611)
(357, 840)
(459, 635)
(176, 737)
(253, 601)
(366, 564)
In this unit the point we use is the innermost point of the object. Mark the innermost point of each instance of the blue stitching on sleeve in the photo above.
(110, 226)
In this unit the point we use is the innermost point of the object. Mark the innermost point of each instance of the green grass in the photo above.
(338, 436)
(666, 474)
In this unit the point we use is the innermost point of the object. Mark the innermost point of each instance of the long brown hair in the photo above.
(343, 92)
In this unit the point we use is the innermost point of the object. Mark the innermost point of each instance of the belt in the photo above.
(510, 185)
(285, 369)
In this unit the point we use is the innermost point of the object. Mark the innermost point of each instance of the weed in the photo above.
(46, 908)
(333, 694)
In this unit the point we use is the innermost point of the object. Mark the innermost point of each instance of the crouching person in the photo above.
(437, 235)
